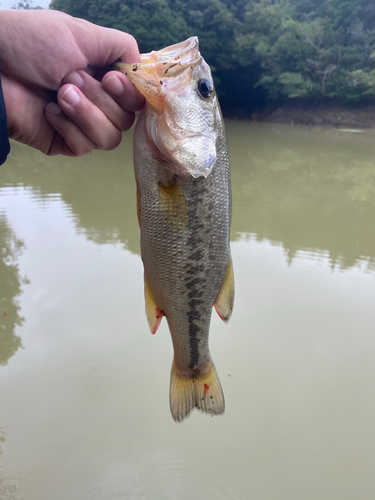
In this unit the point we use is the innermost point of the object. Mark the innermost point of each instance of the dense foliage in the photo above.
(258, 49)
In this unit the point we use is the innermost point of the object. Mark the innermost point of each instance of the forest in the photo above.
(259, 50)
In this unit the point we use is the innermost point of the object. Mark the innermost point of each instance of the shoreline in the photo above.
(336, 115)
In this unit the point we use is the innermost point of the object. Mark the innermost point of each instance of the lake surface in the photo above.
(84, 386)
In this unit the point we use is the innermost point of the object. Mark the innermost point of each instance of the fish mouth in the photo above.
(180, 54)
(155, 67)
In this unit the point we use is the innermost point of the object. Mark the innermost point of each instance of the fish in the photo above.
(182, 171)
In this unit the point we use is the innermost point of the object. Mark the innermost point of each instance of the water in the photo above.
(84, 410)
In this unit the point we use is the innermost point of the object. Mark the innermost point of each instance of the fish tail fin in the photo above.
(204, 393)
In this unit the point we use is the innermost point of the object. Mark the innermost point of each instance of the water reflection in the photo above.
(310, 190)
(90, 390)
(10, 279)
(98, 190)
(166, 476)
(11, 487)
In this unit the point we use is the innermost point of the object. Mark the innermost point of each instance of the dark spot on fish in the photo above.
(195, 302)
(193, 315)
(190, 269)
(195, 294)
(194, 282)
(197, 255)
(166, 71)
(193, 329)
(161, 82)
(134, 69)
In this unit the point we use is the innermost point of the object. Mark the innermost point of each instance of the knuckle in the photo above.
(112, 141)
(80, 151)
(131, 41)
(82, 147)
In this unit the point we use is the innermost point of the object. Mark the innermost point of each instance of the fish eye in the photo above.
(205, 87)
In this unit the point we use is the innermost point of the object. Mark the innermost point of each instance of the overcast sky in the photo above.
(8, 4)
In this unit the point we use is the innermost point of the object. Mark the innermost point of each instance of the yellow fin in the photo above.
(204, 393)
(225, 299)
(173, 205)
(153, 312)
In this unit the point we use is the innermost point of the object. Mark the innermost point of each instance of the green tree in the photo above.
(279, 49)
(10, 289)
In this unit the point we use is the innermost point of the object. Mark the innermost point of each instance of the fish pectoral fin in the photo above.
(224, 301)
(173, 205)
(153, 313)
(204, 393)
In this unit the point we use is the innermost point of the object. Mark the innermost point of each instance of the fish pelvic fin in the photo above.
(225, 299)
(204, 393)
(153, 313)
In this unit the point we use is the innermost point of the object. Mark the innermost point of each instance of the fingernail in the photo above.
(114, 85)
(71, 96)
(75, 78)
(53, 109)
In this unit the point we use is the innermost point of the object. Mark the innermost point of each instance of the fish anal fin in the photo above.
(173, 205)
(225, 299)
(204, 393)
(153, 313)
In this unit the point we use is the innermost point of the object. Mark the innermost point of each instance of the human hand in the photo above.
(47, 56)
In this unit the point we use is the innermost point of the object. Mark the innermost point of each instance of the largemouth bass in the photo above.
(184, 209)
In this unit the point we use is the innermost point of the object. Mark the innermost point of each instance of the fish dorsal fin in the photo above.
(224, 301)
(153, 312)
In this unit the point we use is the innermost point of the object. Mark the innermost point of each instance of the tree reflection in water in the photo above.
(10, 279)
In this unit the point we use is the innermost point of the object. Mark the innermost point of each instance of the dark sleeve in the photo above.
(4, 142)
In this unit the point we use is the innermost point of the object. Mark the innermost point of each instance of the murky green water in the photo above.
(84, 410)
